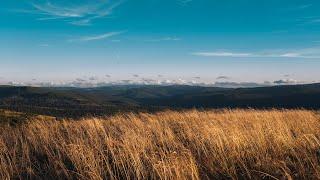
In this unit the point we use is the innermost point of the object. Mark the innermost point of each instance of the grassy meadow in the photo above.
(217, 144)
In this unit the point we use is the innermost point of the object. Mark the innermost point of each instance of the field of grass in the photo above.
(224, 144)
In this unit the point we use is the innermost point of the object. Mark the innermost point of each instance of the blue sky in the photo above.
(199, 41)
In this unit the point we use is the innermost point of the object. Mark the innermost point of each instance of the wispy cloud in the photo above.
(164, 39)
(185, 2)
(97, 37)
(222, 54)
(310, 53)
(308, 20)
(44, 45)
(223, 77)
(81, 13)
(304, 6)
(59, 11)
(299, 7)
(315, 20)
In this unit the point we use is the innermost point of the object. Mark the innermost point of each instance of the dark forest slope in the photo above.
(71, 102)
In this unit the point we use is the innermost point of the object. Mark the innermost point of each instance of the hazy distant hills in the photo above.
(71, 102)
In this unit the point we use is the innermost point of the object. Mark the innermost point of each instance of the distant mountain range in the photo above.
(77, 102)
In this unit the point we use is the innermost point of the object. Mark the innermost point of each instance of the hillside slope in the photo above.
(70, 102)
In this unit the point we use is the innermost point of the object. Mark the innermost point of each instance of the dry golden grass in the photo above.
(228, 144)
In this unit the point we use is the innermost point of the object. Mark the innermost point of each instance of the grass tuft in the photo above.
(227, 144)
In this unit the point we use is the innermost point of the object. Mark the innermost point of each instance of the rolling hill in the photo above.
(78, 102)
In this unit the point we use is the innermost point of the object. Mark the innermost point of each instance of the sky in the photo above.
(85, 42)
